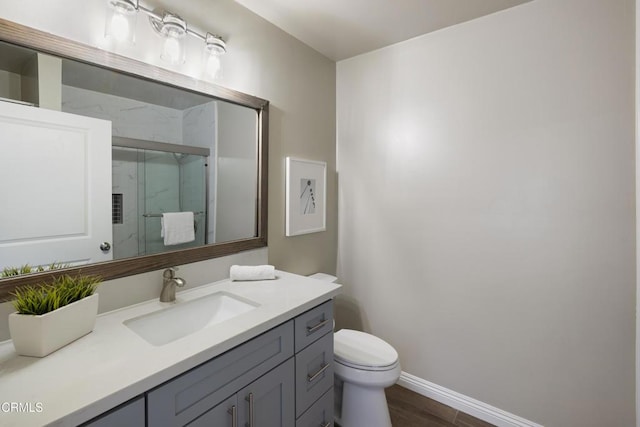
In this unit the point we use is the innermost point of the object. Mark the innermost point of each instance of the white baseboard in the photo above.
(463, 403)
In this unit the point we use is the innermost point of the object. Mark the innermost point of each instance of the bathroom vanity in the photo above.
(268, 366)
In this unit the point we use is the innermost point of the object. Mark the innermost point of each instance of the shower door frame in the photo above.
(142, 144)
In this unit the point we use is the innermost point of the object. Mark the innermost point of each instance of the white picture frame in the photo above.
(305, 196)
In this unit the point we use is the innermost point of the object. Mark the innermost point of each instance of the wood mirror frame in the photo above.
(27, 37)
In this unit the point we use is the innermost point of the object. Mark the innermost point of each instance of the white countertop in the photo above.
(112, 364)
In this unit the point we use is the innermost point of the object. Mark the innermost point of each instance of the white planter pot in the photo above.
(40, 335)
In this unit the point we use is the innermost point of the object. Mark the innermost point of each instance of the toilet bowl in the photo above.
(364, 365)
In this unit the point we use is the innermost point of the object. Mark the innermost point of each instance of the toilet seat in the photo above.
(365, 368)
(363, 351)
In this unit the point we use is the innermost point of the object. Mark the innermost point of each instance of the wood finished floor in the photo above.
(409, 409)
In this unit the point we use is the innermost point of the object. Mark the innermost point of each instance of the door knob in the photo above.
(105, 246)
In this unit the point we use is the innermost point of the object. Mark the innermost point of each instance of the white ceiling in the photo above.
(340, 29)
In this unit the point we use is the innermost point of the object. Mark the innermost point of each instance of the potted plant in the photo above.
(51, 315)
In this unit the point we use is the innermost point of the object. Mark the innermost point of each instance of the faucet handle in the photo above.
(170, 273)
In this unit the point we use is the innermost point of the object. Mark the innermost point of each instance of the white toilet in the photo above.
(364, 365)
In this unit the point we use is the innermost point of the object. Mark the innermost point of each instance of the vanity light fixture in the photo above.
(121, 21)
(173, 29)
(214, 48)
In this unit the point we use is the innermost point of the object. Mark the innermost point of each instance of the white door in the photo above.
(55, 187)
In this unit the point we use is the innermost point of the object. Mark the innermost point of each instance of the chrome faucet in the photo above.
(169, 283)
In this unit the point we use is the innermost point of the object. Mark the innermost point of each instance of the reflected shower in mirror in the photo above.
(216, 183)
(149, 179)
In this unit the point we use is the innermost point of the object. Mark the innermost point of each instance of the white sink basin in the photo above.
(184, 318)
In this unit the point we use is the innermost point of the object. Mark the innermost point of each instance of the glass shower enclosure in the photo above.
(149, 179)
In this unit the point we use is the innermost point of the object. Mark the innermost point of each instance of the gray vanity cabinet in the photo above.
(282, 378)
(266, 402)
(193, 394)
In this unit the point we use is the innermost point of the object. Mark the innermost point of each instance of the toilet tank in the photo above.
(324, 277)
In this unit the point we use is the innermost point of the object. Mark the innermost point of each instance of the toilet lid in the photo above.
(362, 349)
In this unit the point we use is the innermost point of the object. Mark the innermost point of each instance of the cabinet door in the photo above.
(225, 414)
(269, 401)
(130, 414)
(190, 395)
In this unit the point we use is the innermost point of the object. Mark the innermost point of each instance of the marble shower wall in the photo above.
(199, 127)
(130, 118)
(125, 178)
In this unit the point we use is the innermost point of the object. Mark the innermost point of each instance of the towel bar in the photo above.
(159, 215)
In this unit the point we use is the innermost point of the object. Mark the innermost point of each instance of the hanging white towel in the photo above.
(177, 227)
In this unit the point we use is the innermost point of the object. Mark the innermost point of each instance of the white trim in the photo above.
(463, 403)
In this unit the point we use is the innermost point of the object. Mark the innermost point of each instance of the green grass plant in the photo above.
(44, 298)
(27, 269)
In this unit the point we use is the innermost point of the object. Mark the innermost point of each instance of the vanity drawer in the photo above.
(221, 415)
(313, 324)
(320, 414)
(128, 414)
(314, 372)
(193, 393)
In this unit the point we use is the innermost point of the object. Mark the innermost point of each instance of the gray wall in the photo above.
(487, 222)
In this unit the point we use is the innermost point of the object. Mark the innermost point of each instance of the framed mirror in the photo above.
(178, 149)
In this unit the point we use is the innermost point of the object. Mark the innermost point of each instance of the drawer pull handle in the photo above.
(250, 400)
(312, 329)
(234, 416)
(310, 378)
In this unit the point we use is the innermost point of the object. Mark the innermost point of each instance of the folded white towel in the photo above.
(177, 227)
(252, 272)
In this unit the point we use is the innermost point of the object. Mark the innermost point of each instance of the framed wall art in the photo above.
(306, 188)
